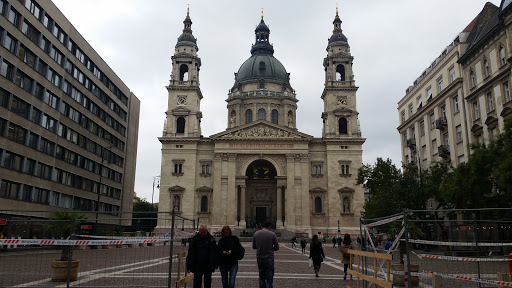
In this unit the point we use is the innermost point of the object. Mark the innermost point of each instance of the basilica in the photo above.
(261, 167)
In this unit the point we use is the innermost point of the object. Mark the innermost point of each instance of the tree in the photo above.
(144, 215)
(64, 225)
(382, 182)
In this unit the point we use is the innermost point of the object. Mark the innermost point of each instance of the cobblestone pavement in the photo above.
(148, 267)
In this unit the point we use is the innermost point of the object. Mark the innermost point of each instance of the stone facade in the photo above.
(261, 168)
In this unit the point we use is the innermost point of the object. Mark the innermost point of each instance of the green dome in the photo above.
(262, 66)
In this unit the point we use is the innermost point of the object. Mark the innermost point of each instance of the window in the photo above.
(6, 69)
(443, 112)
(490, 102)
(429, 94)
(42, 67)
(41, 196)
(345, 169)
(261, 85)
(342, 123)
(205, 169)
(19, 107)
(16, 133)
(274, 116)
(472, 79)
(458, 130)
(26, 193)
(32, 140)
(12, 161)
(502, 56)
(54, 77)
(317, 169)
(56, 55)
(46, 146)
(49, 123)
(4, 98)
(33, 8)
(432, 121)
(180, 125)
(456, 104)
(422, 128)
(506, 91)
(486, 68)
(26, 56)
(439, 85)
(10, 43)
(340, 72)
(419, 103)
(204, 204)
(248, 116)
(402, 118)
(14, 17)
(262, 115)
(318, 204)
(410, 110)
(9, 189)
(451, 74)
(45, 44)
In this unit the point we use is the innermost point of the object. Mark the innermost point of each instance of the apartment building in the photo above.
(461, 98)
(68, 123)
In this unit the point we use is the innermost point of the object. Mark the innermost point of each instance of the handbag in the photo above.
(310, 262)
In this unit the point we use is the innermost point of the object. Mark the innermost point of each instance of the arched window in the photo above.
(340, 73)
(262, 114)
(180, 125)
(184, 72)
(248, 116)
(318, 204)
(343, 126)
(204, 204)
(274, 116)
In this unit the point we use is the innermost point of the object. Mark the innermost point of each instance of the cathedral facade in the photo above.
(261, 167)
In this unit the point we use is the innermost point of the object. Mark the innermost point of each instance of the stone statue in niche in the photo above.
(346, 205)
(232, 121)
(176, 203)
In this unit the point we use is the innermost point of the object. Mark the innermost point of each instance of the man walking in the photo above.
(265, 243)
(201, 258)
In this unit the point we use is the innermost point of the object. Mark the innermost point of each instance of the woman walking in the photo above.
(316, 253)
(229, 251)
(345, 256)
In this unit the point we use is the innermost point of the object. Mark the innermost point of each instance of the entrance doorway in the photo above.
(261, 214)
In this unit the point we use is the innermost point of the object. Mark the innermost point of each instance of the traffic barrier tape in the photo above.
(469, 278)
(458, 243)
(51, 242)
(466, 259)
(385, 221)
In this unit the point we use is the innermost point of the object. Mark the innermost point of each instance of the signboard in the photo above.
(3, 221)
(464, 228)
(86, 227)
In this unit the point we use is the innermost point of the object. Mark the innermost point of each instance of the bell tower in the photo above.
(340, 115)
(184, 110)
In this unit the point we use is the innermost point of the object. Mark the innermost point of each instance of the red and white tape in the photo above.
(466, 259)
(458, 243)
(468, 278)
(385, 221)
(51, 242)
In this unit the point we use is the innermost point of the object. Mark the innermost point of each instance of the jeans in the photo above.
(266, 272)
(198, 275)
(228, 273)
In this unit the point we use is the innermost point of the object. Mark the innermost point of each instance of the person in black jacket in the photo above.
(201, 258)
(316, 252)
(229, 251)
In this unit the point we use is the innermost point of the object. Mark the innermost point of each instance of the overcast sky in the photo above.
(392, 43)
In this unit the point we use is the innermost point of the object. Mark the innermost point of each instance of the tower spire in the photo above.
(337, 22)
(261, 12)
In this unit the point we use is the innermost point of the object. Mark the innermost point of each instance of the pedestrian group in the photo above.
(205, 255)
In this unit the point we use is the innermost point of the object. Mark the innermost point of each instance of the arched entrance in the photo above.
(261, 198)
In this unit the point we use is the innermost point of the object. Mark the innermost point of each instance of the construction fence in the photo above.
(446, 248)
(95, 251)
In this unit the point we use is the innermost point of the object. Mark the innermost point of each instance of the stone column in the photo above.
(232, 195)
(290, 188)
(242, 207)
(306, 199)
(279, 223)
(215, 199)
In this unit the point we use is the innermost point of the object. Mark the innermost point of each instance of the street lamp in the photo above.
(339, 231)
(156, 182)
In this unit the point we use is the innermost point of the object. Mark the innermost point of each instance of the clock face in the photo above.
(182, 100)
(342, 100)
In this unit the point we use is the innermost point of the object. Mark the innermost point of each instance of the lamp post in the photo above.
(339, 231)
(156, 182)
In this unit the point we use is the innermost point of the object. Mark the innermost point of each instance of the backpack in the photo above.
(241, 250)
(344, 251)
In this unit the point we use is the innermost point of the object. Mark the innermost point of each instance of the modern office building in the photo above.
(262, 168)
(68, 124)
(461, 98)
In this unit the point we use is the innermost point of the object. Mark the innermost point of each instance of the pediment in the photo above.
(346, 190)
(476, 128)
(317, 190)
(261, 129)
(176, 188)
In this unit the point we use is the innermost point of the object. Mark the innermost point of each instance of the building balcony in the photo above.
(444, 151)
(410, 143)
(340, 83)
(441, 123)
